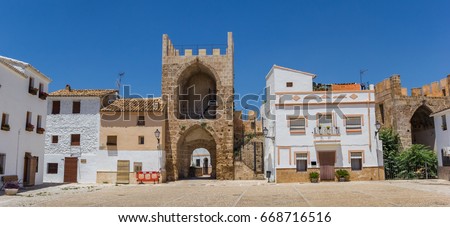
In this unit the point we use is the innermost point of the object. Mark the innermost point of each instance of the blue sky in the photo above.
(87, 43)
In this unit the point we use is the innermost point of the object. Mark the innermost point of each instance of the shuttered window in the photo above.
(301, 162)
(76, 107)
(356, 160)
(75, 140)
(56, 105)
(52, 168)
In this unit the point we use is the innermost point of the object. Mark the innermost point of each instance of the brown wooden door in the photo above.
(123, 171)
(70, 170)
(29, 170)
(326, 161)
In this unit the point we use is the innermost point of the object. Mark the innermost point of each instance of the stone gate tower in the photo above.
(197, 89)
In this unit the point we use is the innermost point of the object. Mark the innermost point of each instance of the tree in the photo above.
(418, 161)
(391, 150)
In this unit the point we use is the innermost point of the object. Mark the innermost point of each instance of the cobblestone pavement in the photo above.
(200, 193)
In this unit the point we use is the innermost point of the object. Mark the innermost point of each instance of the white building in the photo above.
(23, 113)
(311, 129)
(442, 145)
(72, 138)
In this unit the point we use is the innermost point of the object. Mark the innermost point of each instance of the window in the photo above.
(31, 84)
(111, 140)
(29, 127)
(444, 122)
(289, 84)
(55, 139)
(75, 139)
(197, 162)
(39, 121)
(2, 163)
(52, 168)
(297, 124)
(5, 122)
(356, 160)
(137, 166)
(302, 162)
(37, 163)
(141, 140)
(382, 113)
(76, 106)
(445, 159)
(325, 119)
(353, 123)
(141, 121)
(56, 107)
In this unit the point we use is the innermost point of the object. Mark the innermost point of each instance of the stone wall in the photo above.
(290, 175)
(394, 109)
(444, 172)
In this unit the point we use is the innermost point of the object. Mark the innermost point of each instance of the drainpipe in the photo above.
(17, 153)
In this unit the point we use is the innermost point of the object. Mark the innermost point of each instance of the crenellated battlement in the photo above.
(435, 89)
(169, 49)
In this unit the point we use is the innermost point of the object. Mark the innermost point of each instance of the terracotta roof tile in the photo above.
(135, 105)
(82, 92)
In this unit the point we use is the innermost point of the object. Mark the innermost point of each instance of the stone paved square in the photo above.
(214, 193)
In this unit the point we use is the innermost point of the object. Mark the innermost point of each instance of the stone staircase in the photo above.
(244, 164)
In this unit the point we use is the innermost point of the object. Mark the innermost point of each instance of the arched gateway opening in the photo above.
(422, 127)
(195, 147)
(197, 93)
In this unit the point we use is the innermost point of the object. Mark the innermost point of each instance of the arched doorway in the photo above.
(194, 146)
(197, 93)
(422, 127)
(200, 165)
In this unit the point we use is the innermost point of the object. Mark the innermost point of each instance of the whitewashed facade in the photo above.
(442, 144)
(73, 129)
(23, 113)
(318, 131)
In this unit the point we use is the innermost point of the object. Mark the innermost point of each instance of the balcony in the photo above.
(327, 131)
(29, 127)
(5, 127)
(32, 90)
(40, 130)
(43, 95)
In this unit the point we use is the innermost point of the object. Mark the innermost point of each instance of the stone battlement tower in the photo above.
(197, 90)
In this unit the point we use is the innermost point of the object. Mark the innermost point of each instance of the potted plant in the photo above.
(342, 175)
(40, 130)
(11, 188)
(33, 90)
(5, 127)
(314, 177)
(43, 95)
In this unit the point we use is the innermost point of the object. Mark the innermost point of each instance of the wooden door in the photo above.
(70, 170)
(123, 172)
(326, 161)
(29, 170)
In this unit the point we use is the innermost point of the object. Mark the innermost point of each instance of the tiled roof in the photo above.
(19, 66)
(82, 92)
(135, 105)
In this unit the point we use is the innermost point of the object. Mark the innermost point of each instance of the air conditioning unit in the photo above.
(446, 151)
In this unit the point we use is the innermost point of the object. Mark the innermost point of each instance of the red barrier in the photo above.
(148, 176)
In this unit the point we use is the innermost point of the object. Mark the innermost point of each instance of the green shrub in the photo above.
(391, 151)
(314, 175)
(416, 161)
(342, 173)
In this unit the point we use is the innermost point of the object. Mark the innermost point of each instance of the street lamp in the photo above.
(265, 133)
(377, 126)
(157, 134)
